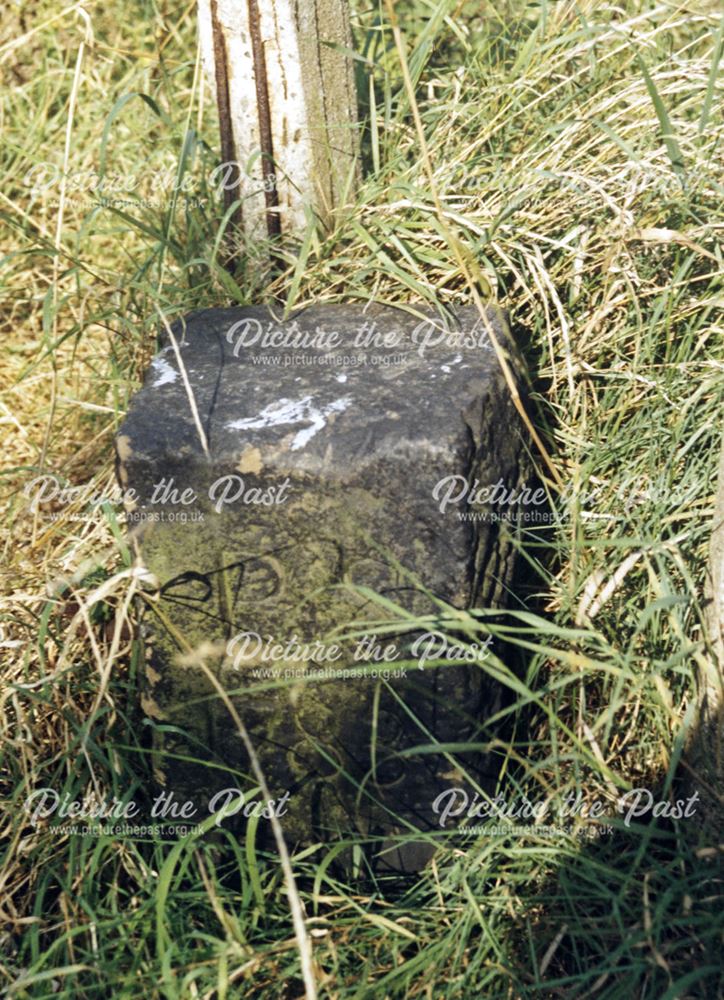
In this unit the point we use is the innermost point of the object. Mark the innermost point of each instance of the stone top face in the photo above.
(330, 382)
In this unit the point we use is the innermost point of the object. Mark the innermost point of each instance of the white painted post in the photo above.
(287, 107)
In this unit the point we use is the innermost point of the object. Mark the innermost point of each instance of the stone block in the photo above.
(276, 474)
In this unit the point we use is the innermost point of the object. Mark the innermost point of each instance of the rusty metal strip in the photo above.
(271, 195)
(228, 152)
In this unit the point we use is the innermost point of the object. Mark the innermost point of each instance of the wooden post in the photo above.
(287, 107)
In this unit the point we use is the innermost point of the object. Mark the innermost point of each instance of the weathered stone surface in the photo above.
(340, 444)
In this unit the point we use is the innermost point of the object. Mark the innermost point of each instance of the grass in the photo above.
(576, 153)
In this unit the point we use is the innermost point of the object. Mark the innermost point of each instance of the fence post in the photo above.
(284, 83)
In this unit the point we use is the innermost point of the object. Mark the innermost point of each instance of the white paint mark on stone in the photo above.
(341, 378)
(164, 372)
(288, 411)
